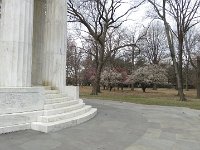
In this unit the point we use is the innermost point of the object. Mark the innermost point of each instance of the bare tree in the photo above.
(184, 14)
(192, 39)
(74, 55)
(99, 17)
(154, 45)
(133, 35)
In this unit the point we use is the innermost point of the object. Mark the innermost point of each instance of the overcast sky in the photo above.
(136, 19)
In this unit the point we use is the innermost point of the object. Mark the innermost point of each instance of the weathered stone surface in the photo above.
(54, 60)
(72, 91)
(16, 43)
(38, 41)
(33, 53)
(59, 115)
(13, 100)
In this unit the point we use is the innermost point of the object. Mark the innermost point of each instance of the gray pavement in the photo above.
(118, 126)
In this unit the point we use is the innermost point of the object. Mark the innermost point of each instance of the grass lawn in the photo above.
(164, 97)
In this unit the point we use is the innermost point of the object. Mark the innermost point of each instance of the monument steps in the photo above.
(60, 112)
(46, 87)
(51, 91)
(63, 109)
(57, 117)
(13, 128)
(52, 96)
(61, 104)
(55, 126)
(57, 100)
(19, 118)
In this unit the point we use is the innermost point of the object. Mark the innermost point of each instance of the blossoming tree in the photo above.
(151, 74)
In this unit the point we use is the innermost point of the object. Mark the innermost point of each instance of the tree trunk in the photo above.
(179, 85)
(96, 86)
(186, 76)
(144, 89)
(132, 87)
(175, 64)
(110, 88)
(133, 64)
(94, 89)
(198, 77)
(180, 56)
(96, 83)
(154, 87)
(144, 86)
(186, 82)
(76, 79)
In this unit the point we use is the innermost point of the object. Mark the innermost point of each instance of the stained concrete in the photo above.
(118, 126)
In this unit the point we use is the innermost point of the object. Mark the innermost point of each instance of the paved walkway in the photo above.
(118, 126)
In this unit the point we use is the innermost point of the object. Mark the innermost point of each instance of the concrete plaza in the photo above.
(118, 126)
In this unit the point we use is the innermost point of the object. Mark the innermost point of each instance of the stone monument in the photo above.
(33, 94)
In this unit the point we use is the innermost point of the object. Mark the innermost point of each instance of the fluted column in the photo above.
(38, 40)
(54, 62)
(16, 43)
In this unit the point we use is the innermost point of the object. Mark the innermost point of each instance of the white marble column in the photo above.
(16, 43)
(54, 64)
(38, 40)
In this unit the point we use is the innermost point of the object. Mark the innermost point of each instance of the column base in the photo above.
(42, 109)
(19, 107)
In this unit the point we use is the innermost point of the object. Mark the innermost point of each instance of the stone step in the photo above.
(63, 109)
(57, 100)
(16, 127)
(60, 105)
(64, 116)
(47, 87)
(52, 96)
(58, 125)
(85, 117)
(51, 92)
(19, 118)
